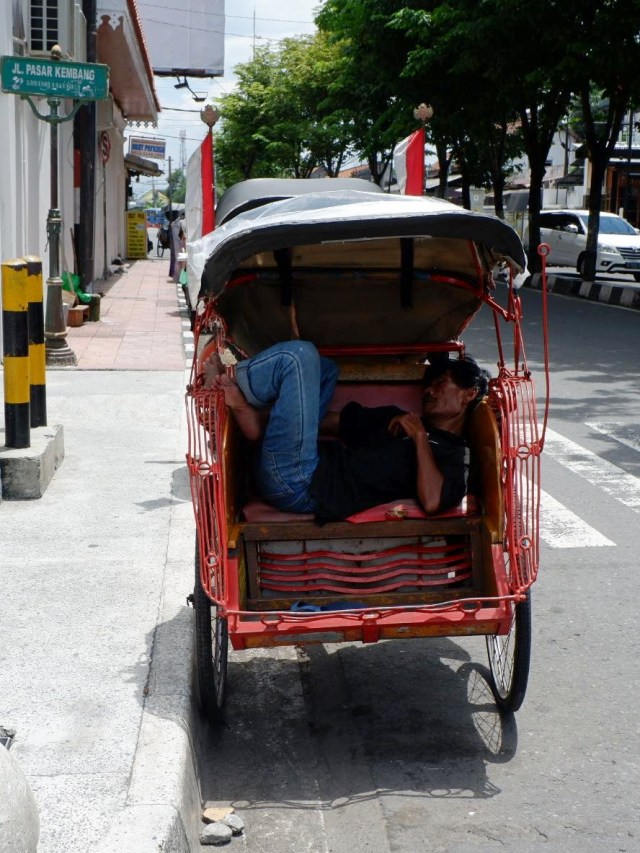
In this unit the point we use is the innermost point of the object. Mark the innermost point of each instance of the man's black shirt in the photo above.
(370, 466)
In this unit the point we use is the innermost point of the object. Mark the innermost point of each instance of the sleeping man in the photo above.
(281, 397)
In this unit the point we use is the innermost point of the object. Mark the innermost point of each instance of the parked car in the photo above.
(566, 233)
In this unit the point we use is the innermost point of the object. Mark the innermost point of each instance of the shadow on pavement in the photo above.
(340, 724)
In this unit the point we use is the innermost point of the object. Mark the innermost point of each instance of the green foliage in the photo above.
(177, 186)
(282, 119)
(369, 80)
(500, 75)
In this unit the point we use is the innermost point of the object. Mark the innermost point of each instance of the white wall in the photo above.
(110, 190)
(25, 170)
(25, 174)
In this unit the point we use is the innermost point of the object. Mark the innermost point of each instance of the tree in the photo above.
(608, 85)
(282, 120)
(242, 142)
(367, 87)
(177, 186)
(472, 119)
(496, 82)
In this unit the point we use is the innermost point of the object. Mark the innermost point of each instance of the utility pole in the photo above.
(183, 149)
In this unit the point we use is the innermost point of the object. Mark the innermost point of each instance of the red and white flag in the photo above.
(199, 210)
(408, 159)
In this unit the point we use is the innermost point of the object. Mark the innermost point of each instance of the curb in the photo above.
(162, 806)
(624, 296)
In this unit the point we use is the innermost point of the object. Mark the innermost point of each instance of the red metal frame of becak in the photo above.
(515, 556)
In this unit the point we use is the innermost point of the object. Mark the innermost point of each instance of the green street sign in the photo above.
(48, 78)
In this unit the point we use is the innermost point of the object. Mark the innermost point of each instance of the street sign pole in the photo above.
(57, 350)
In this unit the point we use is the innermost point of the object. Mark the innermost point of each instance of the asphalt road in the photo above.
(398, 746)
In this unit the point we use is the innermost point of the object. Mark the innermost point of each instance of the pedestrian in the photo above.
(179, 241)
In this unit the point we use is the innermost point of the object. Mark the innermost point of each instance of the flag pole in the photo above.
(423, 113)
(209, 115)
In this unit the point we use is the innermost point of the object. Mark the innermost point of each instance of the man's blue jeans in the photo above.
(298, 383)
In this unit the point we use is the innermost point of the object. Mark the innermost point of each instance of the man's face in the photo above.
(444, 399)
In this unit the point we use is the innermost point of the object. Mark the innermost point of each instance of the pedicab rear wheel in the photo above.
(212, 647)
(509, 658)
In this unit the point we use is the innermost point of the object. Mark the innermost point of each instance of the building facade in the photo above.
(93, 174)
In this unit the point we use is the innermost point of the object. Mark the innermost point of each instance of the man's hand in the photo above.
(407, 423)
(429, 479)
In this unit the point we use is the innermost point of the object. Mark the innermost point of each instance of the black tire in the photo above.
(509, 659)
(212, 647)
(636, 276)
(580, 266)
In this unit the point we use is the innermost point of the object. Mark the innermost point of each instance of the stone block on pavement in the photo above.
(26, 472)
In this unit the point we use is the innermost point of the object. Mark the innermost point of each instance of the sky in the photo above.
(248, 22)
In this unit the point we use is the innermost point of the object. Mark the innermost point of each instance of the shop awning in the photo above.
(139, 166)
(120, 44)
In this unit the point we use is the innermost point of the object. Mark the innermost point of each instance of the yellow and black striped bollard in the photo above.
(15, 332)
(37, 354)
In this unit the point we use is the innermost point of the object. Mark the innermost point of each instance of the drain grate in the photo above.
(6, 736)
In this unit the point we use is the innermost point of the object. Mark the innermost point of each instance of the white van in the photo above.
(566, 233)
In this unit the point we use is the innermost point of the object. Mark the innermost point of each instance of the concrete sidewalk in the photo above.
(142, 326)
(95, 634)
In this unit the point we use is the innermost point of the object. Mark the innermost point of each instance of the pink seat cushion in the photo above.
(257, 511)
(409, 509)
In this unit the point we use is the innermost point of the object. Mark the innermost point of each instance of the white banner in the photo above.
(185, 38)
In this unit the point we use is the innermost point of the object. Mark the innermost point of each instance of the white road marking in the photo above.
(621, 486)
(628, 434)
(561, 528)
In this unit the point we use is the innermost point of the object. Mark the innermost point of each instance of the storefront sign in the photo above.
(146, 147)
(136, 234)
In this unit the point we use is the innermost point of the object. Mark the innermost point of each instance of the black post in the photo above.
(84, 131)
(37, 355)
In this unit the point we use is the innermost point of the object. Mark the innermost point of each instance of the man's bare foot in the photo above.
(251, 421)
(212, 368)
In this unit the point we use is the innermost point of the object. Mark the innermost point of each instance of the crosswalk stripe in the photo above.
(621, 486)
(627, 434)
(561, 528)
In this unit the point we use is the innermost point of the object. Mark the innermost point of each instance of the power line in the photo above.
(179, 110)
(224, 14)
(216, 32)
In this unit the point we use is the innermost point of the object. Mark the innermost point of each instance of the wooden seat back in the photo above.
(484, 442)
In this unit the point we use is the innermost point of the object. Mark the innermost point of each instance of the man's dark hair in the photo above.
(465, 372)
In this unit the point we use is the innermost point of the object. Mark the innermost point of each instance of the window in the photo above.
(44, 25)
(547, 220)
